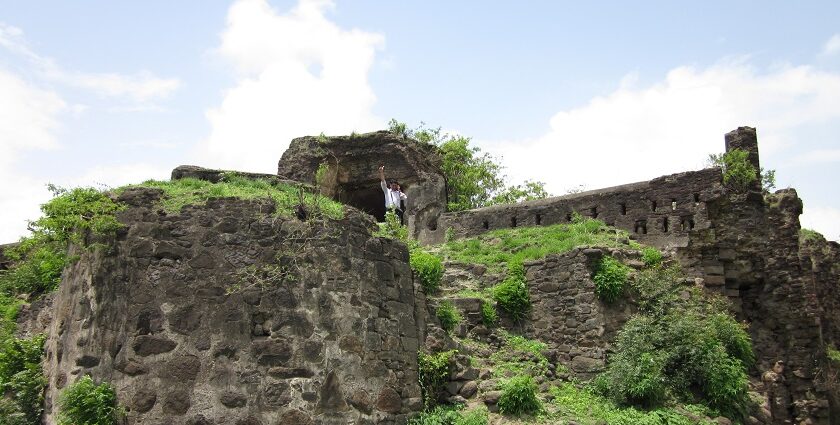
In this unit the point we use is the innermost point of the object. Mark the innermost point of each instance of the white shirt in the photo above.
(392, 197)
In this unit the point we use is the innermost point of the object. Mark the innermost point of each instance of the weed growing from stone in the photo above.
(448, 315)
(519, 356)
(87, 403)
(426, 267)
(489, 316)
(512, 294)
(610, 277)
(286, 197)
(433, 371)
(739, 173)
(519, 396)
(651, 256)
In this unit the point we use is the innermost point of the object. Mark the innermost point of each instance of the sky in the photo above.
(574, 94)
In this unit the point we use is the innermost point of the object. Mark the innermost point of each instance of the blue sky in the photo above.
(570, 93)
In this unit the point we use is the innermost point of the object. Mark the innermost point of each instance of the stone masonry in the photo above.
(192, 320)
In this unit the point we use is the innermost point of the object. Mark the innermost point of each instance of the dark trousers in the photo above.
(399, 214)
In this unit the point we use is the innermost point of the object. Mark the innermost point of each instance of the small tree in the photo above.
(474, 179)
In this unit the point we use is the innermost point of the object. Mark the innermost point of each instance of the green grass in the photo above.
(497, 248)
(190, 191)
(452, 415)
(586, 408)
(519, 356)
(806, 234)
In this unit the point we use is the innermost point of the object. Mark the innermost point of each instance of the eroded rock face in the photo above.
(192, 320)
(353, 176)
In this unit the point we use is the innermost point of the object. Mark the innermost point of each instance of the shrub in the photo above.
(651, 256)
(428, 268)
(610, 276)
(448, 315)
(679, 348)
(489, 316)
(21, 378)
(85, 403)
(512, 294)
(519, 395)
(833, 355)
(433, 371)
(739, 173)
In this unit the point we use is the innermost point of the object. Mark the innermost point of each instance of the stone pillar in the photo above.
(744, 138)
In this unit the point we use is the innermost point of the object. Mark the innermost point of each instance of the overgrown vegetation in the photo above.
(489, 316)
(682, 346)
(452, 415)
(85, 403)
(474, 179)
(519, 356)
(739, 173)
(809, 235)
(448, 315)
(512, 293)
(21, 380)
(587, 408)
(610, 277)
(497, 248)
(433, 371)
(428, 268)
(519, 396)
(651, 256)
(72, 216)
(287, 198)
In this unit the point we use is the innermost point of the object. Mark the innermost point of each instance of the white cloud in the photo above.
(819, 156)
(825, 220)
(831, 46)
(142, 86)
(111, 176)
(28, 120)
(298, 74)
(636, 134)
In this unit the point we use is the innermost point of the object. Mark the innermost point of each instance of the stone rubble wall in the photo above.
(151, 314)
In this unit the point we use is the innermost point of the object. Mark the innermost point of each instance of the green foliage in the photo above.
(739, 173)
(519, 396)
(433, 372)
(428, 268)
(489, 316)
(519, 356)
(833, 354)
(85, 403)
(391, 227)
(452, 415)
(71, 213)
(448, 315)
(810, 235)
(21, 379)
(512, 294)
(190, 191)
(610, 277)
(651, 256)
(499, 247)
(474, 179)
(682, 344)
(528, 191)
(587, 408)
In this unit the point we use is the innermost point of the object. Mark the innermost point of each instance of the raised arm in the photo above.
(382, 179)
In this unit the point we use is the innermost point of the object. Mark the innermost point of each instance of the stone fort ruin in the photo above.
(151, 314)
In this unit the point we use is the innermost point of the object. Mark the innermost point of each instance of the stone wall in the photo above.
(566, 313)
(322, 328)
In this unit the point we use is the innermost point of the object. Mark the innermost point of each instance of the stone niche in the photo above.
(353, 176)
(226, 313)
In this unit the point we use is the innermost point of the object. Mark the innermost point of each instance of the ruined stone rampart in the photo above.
(332, 341)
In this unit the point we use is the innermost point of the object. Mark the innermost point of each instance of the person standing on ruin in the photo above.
(394, 195)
